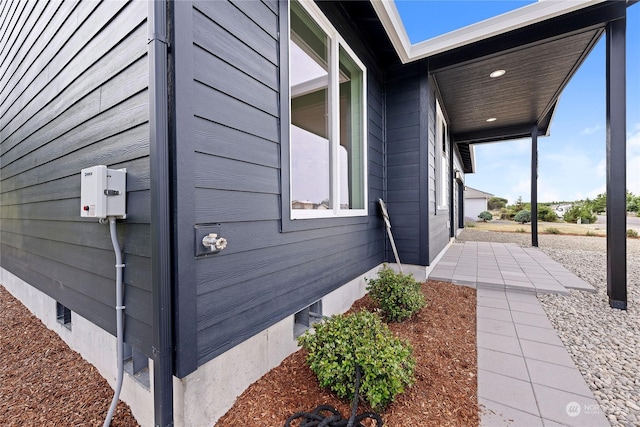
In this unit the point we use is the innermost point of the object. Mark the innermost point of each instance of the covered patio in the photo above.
(506, 85)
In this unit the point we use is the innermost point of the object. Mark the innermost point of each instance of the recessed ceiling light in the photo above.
(497, 73)
(491, 119)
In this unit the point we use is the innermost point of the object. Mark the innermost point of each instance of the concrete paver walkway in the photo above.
(505, 266)
(525, 375)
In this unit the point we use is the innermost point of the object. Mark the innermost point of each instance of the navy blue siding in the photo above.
(73, 85)
(407, 161)
(229, 173)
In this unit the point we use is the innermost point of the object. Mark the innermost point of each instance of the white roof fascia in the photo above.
(553, 116)
(518, 18)
(392, 23)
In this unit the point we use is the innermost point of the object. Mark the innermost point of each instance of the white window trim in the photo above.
(336, 41)
(441, 159)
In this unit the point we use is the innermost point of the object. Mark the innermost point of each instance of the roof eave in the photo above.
(522, 17)
(392, 23)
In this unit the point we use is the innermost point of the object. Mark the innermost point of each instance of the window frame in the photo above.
(442, 155)
(336, 41)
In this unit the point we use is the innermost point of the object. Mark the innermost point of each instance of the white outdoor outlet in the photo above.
(103, 192)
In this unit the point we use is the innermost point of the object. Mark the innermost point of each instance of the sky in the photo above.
(572, 159)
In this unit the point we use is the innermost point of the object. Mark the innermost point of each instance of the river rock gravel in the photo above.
(604, 343)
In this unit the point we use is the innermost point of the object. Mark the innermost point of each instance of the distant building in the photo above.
(475, 201)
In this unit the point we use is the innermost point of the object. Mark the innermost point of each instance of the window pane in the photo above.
(351, 149)
(310, 146)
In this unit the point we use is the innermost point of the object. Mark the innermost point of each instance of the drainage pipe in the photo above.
(119, 320)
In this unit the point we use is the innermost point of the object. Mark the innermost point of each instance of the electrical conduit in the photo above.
(119, 320)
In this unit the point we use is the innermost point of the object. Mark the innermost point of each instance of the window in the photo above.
(328, 119)
(441, 159)
(63, 315)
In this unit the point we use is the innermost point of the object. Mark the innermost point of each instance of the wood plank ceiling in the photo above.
(525, 95)
(538, 60)
(521, 97)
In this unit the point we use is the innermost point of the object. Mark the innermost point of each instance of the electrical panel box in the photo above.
(103, 192)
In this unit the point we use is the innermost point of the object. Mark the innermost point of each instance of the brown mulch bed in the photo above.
(45, 383)
(443, 336)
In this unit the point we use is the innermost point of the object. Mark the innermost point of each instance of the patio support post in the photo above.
(534, 186)
(616, 163)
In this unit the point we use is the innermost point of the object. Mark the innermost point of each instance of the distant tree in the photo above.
(599, 204)
(515, 208)
(546, 214)
(496, 203)
(582, 211)
(485, 216)
(633, 202)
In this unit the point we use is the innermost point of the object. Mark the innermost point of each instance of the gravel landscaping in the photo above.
(604, 343)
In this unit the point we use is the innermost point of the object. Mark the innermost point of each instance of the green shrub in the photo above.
(522, 217)
(485, 216)
(518, 206)
(520, 230)
(399, 295)
(591, 233)
(341, 341)
(546, 214)
(469, 224)
(632, 233)
(552, 230)
(580, 211)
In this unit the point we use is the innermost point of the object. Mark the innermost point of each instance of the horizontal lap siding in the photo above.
(264, 274)
(73, 84)
(404, 161)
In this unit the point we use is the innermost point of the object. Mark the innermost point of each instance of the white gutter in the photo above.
(519, 18)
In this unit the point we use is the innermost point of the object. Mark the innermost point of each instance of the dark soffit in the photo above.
(539, 61)
(525, 96)
(522, 97)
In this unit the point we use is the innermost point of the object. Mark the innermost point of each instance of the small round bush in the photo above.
(632, 233)
(339, 342)
(485, 216)
(522, 217)
(552, 230)
(398, 295)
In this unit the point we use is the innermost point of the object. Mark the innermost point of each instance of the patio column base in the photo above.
(620, 305)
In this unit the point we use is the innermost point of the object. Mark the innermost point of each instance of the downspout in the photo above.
(160, 227)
